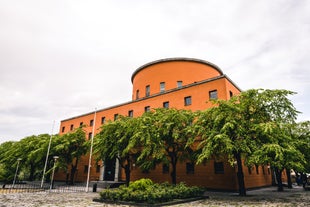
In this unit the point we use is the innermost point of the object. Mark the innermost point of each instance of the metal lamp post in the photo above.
(52, 180)
(18, 161)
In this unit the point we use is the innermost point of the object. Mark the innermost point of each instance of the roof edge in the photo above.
(175, 59)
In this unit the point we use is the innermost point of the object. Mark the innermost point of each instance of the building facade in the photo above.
(182, 83)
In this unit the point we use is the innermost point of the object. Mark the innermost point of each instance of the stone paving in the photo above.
(260, 197)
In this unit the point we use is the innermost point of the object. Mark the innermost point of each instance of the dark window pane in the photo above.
(162, 86)
(218, 168)
(213, 94)
(147, 90)
(190, 168)
(147, 108)
(187, 100)
(166, 104)
(165, 168)
(102, 120)
(130, 113)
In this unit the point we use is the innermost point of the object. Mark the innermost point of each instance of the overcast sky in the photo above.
(62, 58)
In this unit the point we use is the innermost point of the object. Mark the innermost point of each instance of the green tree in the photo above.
(279, 149)
(70, 147)
(7, 161)
(301, 134)
(30, 150)
(230, 128)
(164, 134)
(117, 139)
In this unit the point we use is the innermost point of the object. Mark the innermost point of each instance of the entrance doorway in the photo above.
(109, 169)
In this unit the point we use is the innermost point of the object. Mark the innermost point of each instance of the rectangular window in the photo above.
(71, 127)
(147, 108)
(162, 87)
(137, 94)
(81, 124)
(130, 113)
(250, 170)
(91, 122)
(85, 168)
(179, 84)
(115, 116)
(147, 90)
(165, 168)
(166, 104)
(187, 100)
(263, 169)
(98, 169)
(218, 168)
(190, 168)
(213, 94)
(256, 167)
(145, 171)
(89, 135)
(231, 94)
(268, 170)
(102, 120)
(63, 129)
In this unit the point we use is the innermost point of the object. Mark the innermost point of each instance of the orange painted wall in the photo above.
(198, 80)
(171, 72)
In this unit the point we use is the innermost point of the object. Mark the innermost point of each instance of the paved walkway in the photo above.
(260, 197)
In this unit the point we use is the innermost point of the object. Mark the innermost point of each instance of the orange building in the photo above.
(182, 83)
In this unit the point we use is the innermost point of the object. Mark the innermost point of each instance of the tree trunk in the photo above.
(174, 168)
(289, 180)
(67, 176)
(240, 175)
(279, 179)
(73, 170)
(127, 172)
(31, 173)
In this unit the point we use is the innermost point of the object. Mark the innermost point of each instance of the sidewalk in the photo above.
(259, 197)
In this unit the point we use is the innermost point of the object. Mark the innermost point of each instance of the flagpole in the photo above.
(47, 154)
(91, 150)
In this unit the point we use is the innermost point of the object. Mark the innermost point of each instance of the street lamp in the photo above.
(52, 180)
(18, 161)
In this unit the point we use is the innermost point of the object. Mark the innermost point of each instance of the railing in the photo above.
(30, 187)
(57, 187)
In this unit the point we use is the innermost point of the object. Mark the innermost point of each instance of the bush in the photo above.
(145, 191)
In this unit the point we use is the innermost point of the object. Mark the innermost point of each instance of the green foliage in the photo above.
(250, 125)
(118, 139)
(31, 150)
(69, 148)
(164, 136)
(145, 191)
(141, 184)
(7, 161)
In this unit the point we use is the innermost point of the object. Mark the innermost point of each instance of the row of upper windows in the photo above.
(190, 168)
(257, 170)
(162, 88)
(187, 102)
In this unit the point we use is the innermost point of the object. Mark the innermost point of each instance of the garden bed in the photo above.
(146, 193)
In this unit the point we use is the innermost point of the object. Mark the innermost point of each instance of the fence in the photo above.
(58, 187)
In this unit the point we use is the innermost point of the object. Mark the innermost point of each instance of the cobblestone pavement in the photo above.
(260, 197)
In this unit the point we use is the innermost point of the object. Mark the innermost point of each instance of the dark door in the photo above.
(109, 170)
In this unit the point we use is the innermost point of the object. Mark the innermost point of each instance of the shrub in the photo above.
(141, 184)
(145, 191)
